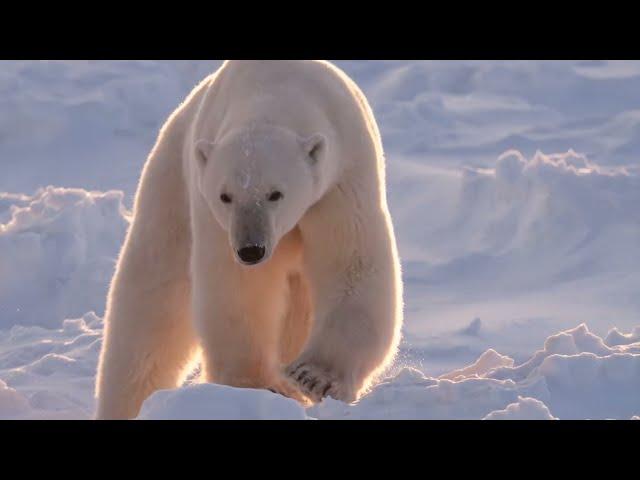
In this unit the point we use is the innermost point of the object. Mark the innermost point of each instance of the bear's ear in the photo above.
(204, 148)
(314, 147)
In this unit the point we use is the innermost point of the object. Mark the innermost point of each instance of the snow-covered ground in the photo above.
(503, 246)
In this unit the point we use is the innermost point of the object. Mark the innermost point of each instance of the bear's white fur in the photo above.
(281, 154)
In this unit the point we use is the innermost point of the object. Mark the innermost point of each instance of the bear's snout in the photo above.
(251, 254)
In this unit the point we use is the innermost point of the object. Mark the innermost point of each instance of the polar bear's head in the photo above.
(258, 182)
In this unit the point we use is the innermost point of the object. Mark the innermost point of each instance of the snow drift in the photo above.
(57, 254)
(551, 217)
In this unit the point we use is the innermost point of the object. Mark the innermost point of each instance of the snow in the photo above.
(574, 376)
(488, 361)
(50, 374)
(523, 409)
(218, 402)
(615, 337)
(57, 254)
(12, 403)
(515, 205)
(53, 370)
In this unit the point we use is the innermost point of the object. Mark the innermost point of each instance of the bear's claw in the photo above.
(288, 389)
(315, 382)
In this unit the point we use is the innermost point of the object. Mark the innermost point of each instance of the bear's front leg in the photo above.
(357, 293)
(238, 315)
(346, 348)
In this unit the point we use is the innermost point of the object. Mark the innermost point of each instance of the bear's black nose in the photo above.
(251, 254)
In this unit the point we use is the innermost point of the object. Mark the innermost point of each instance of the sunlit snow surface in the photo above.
(503, 246)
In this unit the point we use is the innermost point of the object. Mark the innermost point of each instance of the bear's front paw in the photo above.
(317, 382)
(287, 388)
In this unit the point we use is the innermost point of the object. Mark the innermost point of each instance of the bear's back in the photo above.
(306, 95)
(286, 74)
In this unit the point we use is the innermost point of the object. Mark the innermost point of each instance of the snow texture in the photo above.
(218, 402)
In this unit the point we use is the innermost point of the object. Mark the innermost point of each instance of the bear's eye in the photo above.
(275, 196)
(225, 198)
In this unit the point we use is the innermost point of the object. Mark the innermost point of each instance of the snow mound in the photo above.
(57, 254)
(570, 343)
(615, 337)
(523, 409)
(218, 402)
(585, 377)
(473, 329)
(488, 361)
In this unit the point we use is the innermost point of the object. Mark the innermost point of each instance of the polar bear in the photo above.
(261, 243)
